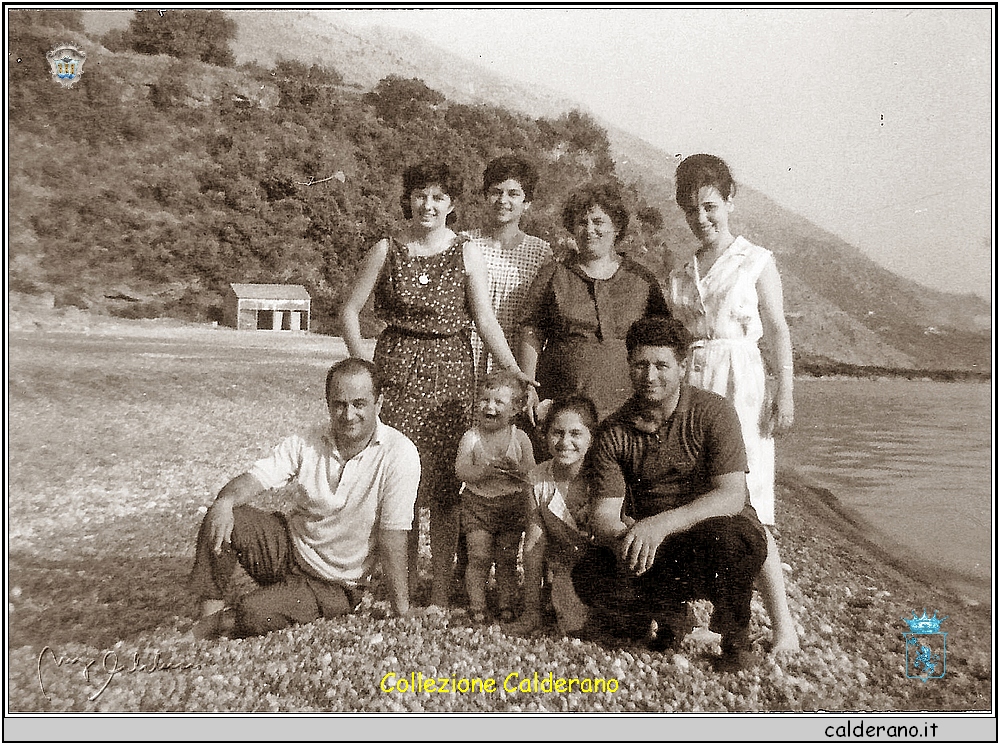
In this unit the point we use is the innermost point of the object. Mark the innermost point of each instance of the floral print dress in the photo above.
(424, 357)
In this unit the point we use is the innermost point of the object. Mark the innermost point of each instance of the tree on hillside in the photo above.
(399, 99)
(185, 34)
(578, 132)
(71, 20)
(301, 86)
(170, 88)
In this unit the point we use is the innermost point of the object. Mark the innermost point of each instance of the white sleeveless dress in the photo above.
(721, 310)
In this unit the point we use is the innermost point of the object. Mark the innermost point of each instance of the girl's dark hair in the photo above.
(506, 167)
(427, 174)
(697, 171)
(580, 405)
(604, 195)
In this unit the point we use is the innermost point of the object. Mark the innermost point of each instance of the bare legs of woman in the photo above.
(771, 584)
(412, 551)
(444, 543)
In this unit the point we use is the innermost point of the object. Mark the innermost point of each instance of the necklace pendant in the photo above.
(423, 278)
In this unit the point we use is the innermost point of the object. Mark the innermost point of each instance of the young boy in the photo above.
(494, 458)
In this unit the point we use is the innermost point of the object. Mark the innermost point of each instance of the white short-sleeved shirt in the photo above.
(341, 503)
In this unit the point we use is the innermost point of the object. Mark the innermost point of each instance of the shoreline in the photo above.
(33, 314)
(856, 530)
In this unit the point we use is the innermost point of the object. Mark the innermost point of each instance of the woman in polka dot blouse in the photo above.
(430, 285)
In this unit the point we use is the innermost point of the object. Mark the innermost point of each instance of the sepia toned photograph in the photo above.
(502, 361)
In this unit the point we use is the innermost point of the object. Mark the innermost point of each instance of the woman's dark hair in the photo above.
(579, 405)
(604, 195)
(659, 331)
(506, 167)
(423, 175)
(697, 171)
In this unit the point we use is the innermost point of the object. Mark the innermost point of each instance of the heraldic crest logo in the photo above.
(66, 62)
(925, 647)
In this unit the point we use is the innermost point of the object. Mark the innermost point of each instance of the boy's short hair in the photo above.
(659, 331)
(353, 366)
(506, 379)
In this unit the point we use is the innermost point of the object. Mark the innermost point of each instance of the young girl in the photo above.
(557, 532)
(494, 458)
(729, 297)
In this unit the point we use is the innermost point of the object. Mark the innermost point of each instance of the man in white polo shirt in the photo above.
(358, 482)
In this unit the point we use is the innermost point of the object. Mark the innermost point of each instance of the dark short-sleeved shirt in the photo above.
(564, 302)
(660, 466)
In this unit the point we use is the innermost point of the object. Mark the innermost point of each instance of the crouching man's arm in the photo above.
(392, 553)
(220, 521)
(607, 489)
(637, 546)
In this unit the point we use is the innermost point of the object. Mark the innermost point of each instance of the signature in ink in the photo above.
(106, 667)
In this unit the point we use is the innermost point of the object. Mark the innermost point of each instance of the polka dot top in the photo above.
(424, 294)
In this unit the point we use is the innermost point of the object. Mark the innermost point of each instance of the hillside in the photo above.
(842, 306)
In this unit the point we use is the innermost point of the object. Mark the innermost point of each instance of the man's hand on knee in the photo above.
(220, 523)
(637, 547)
(220, 515)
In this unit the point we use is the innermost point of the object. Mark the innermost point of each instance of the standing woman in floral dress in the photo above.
(729, 297)
(429, 286)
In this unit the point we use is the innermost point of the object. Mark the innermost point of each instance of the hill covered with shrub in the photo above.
(202, 148)
(158, 179)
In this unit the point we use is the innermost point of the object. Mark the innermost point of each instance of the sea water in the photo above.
(913, 458)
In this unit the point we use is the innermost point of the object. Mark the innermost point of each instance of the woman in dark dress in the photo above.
(578, 312)
(429, 285)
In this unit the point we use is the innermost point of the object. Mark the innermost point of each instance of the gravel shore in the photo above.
(848, 601)
(99, 618)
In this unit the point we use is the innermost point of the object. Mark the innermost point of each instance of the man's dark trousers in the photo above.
(716, 559)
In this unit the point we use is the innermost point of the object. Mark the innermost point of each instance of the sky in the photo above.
(874, 123)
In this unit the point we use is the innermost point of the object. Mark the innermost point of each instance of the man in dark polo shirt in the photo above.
(670, 505)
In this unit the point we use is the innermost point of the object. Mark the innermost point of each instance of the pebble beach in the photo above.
(96, 585)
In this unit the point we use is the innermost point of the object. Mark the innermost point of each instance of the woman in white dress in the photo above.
(729, 296)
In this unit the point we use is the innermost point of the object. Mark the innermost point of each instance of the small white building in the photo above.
(250, 307)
